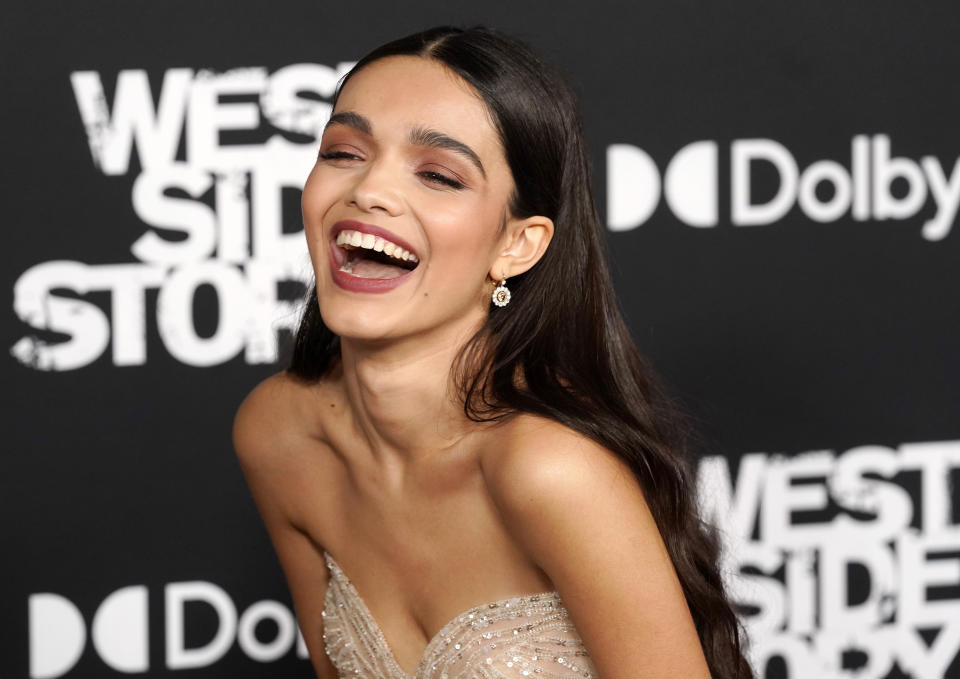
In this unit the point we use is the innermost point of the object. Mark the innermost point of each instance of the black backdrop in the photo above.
(810, 323)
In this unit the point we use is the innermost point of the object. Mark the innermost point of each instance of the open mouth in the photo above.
(367, 256)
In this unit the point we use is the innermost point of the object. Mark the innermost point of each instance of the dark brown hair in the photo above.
(562, 349)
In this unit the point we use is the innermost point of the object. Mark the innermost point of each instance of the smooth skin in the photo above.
(430, 514)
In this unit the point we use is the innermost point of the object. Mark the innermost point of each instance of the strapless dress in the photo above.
(514, 638)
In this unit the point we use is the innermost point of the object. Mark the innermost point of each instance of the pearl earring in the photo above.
(501, 295)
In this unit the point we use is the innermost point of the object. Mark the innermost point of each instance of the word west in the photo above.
(834, 558)
(236, 246)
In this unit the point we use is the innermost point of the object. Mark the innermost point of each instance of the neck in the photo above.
(402, 396)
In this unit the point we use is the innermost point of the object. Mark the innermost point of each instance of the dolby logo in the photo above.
(120, 633)
(825, 191)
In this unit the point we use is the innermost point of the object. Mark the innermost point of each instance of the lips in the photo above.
(368, 258)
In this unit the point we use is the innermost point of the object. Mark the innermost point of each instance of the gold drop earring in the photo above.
(501, 295)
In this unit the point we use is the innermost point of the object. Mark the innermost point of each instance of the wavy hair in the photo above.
(574, 360)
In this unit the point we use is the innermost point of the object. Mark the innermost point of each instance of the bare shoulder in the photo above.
(277, 431)
(541, 461)
(258, 421)
(256, 413)
(577, 511)
(278, 410)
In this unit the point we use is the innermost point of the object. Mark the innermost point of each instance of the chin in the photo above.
(393, 317)
(349, 320)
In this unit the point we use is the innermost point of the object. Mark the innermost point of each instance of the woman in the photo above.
(465, 471)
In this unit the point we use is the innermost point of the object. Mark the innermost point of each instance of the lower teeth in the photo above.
(374, 269)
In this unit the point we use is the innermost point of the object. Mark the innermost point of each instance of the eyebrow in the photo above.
(419, 136)
(350, 119)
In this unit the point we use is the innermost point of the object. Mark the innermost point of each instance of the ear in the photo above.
(524, 242)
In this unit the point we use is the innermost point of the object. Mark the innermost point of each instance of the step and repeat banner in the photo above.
(780, 183)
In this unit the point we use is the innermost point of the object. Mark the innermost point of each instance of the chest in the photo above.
(415, 562)
(519, 636)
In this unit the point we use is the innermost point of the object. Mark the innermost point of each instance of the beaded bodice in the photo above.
(524, 636)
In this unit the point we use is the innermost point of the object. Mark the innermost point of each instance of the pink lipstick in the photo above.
(339, 257)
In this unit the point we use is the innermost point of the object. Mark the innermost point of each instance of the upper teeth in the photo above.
(368, 241)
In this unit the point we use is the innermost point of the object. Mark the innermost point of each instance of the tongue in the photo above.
(368, 268)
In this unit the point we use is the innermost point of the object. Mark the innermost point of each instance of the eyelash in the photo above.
(441, 178)
(428, 174)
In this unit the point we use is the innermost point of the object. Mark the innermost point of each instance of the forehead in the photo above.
(400, 92)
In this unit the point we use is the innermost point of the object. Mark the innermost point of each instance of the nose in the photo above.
(376, 189)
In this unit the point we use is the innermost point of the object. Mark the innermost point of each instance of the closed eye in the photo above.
(439, 178)
(335, 155)
(430, 175)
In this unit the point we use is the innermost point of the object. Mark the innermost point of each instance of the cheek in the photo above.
(321, 192)
(462, 251)
(314, 194)
(469, 235)
(315, 201)
(470, 225)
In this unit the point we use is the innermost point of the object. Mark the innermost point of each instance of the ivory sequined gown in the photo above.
(525, 636)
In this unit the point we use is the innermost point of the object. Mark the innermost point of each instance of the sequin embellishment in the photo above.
(515, 638)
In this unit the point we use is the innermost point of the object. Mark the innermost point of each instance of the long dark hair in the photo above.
(562, 349)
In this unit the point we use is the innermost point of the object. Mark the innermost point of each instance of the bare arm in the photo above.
(271, 471)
